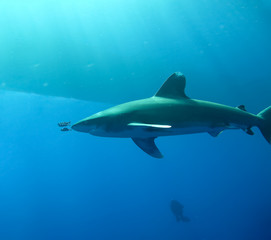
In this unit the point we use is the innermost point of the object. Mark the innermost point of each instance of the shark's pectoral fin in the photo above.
(148, 146)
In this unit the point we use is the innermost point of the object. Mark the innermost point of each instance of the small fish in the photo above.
(65, 129)
(64, 124)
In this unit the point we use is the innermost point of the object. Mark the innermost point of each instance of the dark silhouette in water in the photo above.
(177, 210)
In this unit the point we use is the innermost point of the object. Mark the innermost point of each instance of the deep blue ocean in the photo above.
(65, 60)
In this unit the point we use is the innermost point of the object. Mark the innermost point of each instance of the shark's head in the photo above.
(105, 123)
(93, 125)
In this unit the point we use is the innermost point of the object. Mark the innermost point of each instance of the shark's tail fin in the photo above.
(265, 127)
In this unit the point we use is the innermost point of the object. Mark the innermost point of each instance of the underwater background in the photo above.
(65, 60)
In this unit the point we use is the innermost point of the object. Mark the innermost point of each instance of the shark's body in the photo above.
(171, 112)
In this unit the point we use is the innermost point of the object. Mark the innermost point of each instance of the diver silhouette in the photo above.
(177, 210)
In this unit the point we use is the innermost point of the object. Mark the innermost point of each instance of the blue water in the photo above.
(70, 185)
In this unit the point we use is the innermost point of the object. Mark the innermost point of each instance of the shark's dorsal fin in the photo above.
(242, 107)
(148, 146)
(173, 87)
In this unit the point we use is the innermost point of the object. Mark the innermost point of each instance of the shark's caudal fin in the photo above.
(173, 87)
(265, 127)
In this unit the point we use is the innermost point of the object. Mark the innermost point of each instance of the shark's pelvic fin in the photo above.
(215, 133)
(173, 87)
(148, 146)
(249, 131)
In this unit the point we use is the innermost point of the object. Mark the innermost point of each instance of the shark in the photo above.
(171, 112)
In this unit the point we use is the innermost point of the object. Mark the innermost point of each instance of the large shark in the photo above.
(171, 112)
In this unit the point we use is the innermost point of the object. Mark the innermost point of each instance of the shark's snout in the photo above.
(75, 127)
(80, 126)
(86, 125)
